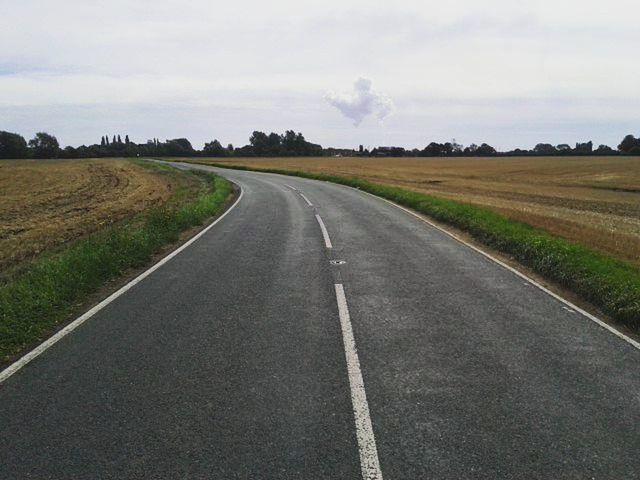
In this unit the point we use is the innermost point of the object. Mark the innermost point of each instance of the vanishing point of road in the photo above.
(318, 332)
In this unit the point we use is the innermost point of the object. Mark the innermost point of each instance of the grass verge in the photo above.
(51, 288)
(610, 284)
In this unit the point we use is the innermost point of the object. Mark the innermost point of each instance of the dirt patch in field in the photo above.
(47, 203)
(594, 201)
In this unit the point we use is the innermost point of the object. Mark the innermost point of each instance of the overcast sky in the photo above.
(508, 73)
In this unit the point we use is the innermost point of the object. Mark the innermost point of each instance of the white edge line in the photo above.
(24, 360)
(292, 188)
(306, 199)
(369, 462)
(591, 317)
(325, 234)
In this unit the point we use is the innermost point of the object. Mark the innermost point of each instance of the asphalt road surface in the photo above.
(250, 355)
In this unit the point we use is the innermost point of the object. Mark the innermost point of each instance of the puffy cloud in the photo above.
(361, 102)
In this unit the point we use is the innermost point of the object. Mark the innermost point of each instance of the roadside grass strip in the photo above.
(55, 285)
(608, 283)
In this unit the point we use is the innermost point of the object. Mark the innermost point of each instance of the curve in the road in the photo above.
(240, 358)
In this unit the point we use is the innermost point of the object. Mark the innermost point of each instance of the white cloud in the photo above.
(361, 102)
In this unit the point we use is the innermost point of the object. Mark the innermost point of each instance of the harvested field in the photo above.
(47, 203)
(594, 201)
(37, 295)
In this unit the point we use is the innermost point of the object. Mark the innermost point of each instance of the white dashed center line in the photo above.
(369, 463)
(325, 234)
(306, 199)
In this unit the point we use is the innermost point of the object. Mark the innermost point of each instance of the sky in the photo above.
(342, 72)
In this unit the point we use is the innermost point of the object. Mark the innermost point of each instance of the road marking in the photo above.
(369, 463)
(306, 199)
(325, 234)
(24, 360)
(575, 308)
(300, 193)
(584, 313)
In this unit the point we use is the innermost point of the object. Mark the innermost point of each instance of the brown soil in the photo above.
(46, 203)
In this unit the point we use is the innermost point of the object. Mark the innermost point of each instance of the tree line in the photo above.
(290, 143)
(44, 145)
(629, 146)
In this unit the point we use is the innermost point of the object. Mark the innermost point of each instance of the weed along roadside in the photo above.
(42, 296)
(610, 284)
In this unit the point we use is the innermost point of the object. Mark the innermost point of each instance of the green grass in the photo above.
(52, 288)
(610, 284)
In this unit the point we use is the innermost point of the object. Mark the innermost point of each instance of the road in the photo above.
(250, 355)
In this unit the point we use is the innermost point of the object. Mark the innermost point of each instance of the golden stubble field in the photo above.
(592, 200)
(46, 203)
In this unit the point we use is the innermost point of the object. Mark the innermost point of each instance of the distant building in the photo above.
(339, 152)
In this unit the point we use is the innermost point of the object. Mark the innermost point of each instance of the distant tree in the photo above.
(304, 148)
(456, 148)
(434, 149)
(126, 139)
(230, 148)
(295, 144)
(563, 148)
(119, 139)
(471, 149)
(12, 145)
(114, 140)
(389, 151)
(69, 152)
(486, 149)
(517, 152)
(273, 143)
(106, 140)
(44, 145)
(604, 150)
(245, 151)
(288, 144)
(291, 144)
(102, 142)
(447, 148)
(545, 149)
(583, 148)
(628, 144)
(214, 149)
(259, 142)
(179, 147)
